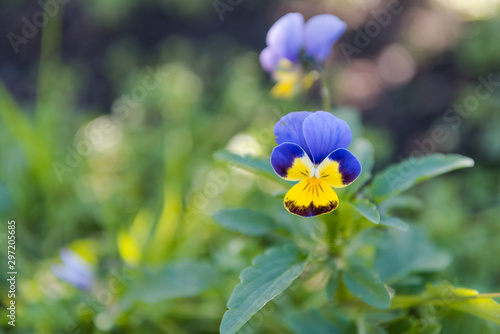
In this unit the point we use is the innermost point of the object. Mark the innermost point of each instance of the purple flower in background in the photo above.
(74, 270)
(290, 36)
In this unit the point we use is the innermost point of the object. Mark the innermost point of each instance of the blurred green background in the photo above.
(109, 118)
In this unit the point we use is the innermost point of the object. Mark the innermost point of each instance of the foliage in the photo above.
(174, 204)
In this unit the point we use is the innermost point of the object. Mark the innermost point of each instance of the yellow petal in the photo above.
(329, 172)
(311, 197)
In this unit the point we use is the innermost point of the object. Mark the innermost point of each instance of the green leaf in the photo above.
(363, 150)
(245, 221)
(312, 322)
(176, 280)
(467, 301)
(458, 323)
(401, 202)
(365, 284)
(384, 316)
(332, 285)
(427, 329)
(260, 166)
(394, 222)
(368, 210)
(411, 325)
(482, 306)
(400, 254)
(373, 329)
(270, 274)
(400, 177)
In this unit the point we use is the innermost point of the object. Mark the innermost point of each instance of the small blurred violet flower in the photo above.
(74, 270)
(291, 42)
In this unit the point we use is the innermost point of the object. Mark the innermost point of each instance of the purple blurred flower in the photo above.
(74, 270)
(290, 35)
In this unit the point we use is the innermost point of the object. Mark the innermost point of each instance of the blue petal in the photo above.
(321, 32)
(74, 278)
(75, 263)
(291, 162)
(324, 133)
(286, 36)
(289, 130)
(269, 59)
(340, 168)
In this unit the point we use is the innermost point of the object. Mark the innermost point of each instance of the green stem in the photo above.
(360, 324)
(333, 236)
(325, 91)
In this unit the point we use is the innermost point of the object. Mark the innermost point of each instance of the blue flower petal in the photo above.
(269, 59)
(321, 32)
(324, 133)
(291, 162)
(286, 36)
(72, 277)
(289, 130)
(340, 168)
(75, 262)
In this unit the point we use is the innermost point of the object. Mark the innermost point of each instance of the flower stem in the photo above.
(360, 324)
(325, 90)
(333, 236)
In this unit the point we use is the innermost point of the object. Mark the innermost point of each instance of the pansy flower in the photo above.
(74, 270)
(312, 149)
(292, 42)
